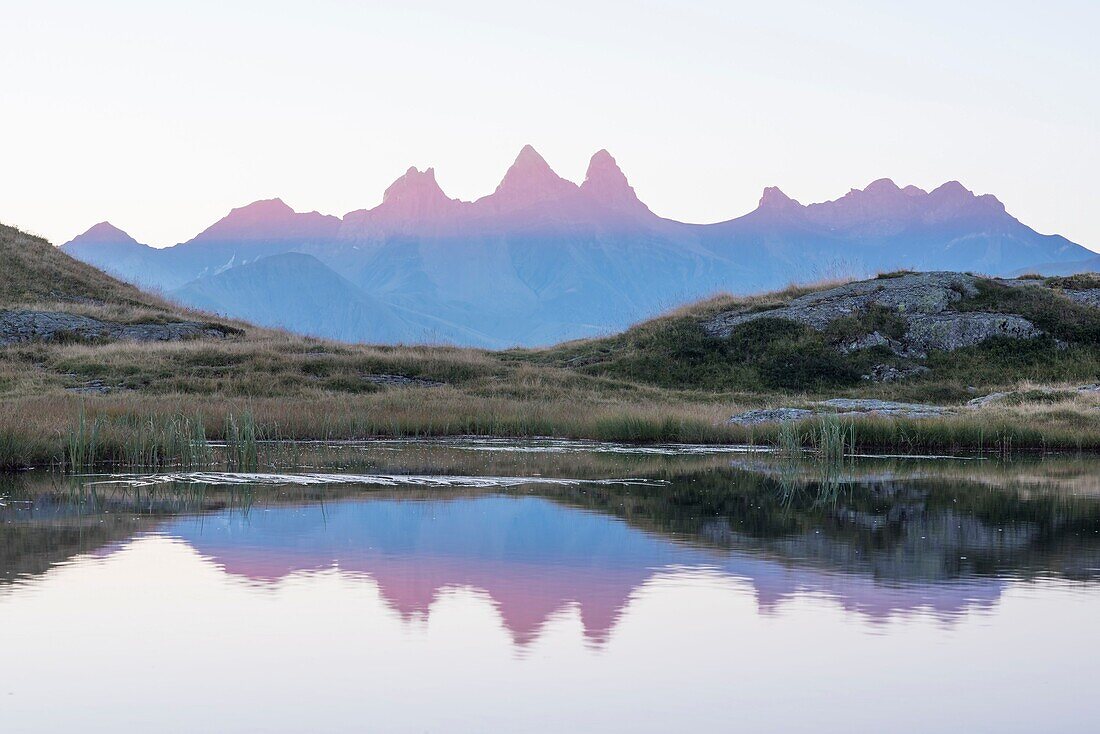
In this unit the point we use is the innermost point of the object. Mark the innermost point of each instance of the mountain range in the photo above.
(542, 259)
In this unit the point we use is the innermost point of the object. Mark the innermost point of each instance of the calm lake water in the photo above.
(480, 585)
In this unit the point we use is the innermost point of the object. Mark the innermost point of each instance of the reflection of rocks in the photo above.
(881, 547)
(911, 539)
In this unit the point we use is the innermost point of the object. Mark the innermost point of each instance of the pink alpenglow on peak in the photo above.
(104, 233)
(606, 185)
(773, 199)
(413, 204)
(270, 219)
(528, 182)
(416, 195)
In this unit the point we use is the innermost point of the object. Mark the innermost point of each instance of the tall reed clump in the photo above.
(833, 442)
(789, 448)
(83, 447)
(178, 441)
(19, 451)
(788, 440)
(241, 442)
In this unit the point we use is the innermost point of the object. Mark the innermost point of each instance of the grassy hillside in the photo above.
(36, 272)
(774, 355)
(664, 380)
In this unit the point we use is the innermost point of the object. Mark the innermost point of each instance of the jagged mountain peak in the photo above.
(411, 201)
(882, 207)
(602, 164)
(414, 184)
(954, 199)
(528, 181)
(607, 185)
(529, 166)
(773, 199)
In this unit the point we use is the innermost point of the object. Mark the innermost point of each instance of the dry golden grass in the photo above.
(301, 388)
(36, 272)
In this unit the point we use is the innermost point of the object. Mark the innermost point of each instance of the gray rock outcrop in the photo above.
(841, 408)
(400, 381)
(948, 331)
(52, 326)
(1086, 297)
(922, 302)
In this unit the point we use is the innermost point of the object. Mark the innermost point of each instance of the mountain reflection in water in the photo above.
(892, 550)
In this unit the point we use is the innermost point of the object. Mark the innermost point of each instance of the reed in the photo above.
(176, 441)
(172, 430)
(83, 442)
(788, 440)
(241, 442)
(833, 442)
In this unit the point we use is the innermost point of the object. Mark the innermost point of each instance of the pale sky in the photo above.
(160, 116)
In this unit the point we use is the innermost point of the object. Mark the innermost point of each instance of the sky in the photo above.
(160, 117)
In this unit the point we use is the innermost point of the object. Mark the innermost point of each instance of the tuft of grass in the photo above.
(1078, 282)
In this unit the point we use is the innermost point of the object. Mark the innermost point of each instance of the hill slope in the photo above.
(928, 336)
(298, 292)
(36, 272)
(47, 296)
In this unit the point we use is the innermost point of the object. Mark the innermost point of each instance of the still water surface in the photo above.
(471, 586)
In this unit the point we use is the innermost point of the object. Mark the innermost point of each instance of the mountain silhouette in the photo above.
(542, 259)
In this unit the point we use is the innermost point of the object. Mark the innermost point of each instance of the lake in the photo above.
(475, 585)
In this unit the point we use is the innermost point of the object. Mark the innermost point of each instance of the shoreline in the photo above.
(58, 430)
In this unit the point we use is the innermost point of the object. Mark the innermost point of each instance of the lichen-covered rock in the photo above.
(1050, 392)
(922, 301)
(770, 415)
(867, 341)
(52, 326)
(400, 381)
(1088, 297)
(949, 331)
(893, 373)
(864, 406)
(841, 408)
(913, 293)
